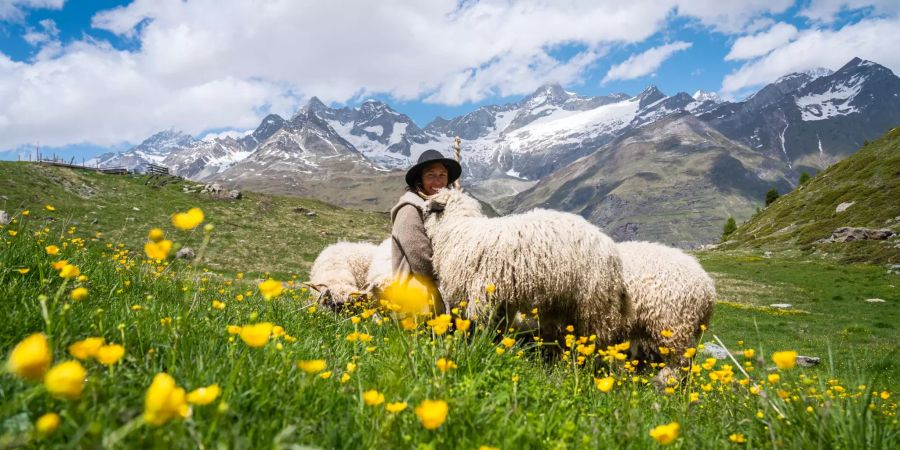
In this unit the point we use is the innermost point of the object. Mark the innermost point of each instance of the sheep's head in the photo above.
(450, 203)
(336, 297)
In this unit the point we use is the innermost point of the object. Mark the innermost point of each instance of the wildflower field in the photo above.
(114, 342)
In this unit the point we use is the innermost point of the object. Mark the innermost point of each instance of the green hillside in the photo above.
(257, 233)
(870, 179)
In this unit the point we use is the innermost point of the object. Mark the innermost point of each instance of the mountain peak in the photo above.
(649, 95)
(859, 63)
(706, 96)
(168, 138)
(551, 93)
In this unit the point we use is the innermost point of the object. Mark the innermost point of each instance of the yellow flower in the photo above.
(666, 333)
(500, 350)
(325, 375)
(158, 250)
(256, 335)
(79, 294)
(218, 305)
(351, 367)
(665, 434)
(46, 424)
(432, 413)
(694, 397)
(439, 324)
(490, 289)
(164, 401)
(737, 438)
(13, 233)
(785, 360)
(204, 396)
(278, 331)
(412, 296)
(110, 354)
(689, 353)
(445, 364)
(345, 378)
(749, 353)
(69, 271)
(508, 342)
(49, 207)
(23, 271)
(31, 357)
(156, 235)
(234, 329)
(663, 350)
(773, 377)
(885, 395)
(373, 397)
(58, 265)
(487, 447)
(188, 220)
(605, 384)
(270, 289)
(65, 380)
(86, 348)
(462, 324)
(26, 213)
(312, 365)
(52, 250)
(395, 407)
(515, 378)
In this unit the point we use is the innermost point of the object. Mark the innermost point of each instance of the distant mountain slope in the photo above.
(870, 179)
(675, 181)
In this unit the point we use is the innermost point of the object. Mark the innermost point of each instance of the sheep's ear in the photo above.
(316, 287)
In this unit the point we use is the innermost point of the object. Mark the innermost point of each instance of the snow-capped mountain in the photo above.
(813, 119)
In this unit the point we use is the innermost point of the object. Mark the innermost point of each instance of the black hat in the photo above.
(414, 174)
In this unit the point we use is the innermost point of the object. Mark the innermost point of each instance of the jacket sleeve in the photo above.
(409, 232)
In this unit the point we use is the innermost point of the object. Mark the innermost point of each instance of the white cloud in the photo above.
(759, 44)
(15, 9)
(644, 63)
(872, 39)
(48, 32)
(826, 11)
(217, 64)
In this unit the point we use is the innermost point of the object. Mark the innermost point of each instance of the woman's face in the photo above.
(434, 177)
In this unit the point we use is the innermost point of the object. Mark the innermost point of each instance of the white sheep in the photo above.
(340, 270)
(380, 269)
(669, 290)
(553, 261)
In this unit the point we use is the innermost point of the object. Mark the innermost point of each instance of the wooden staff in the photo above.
(459, 160)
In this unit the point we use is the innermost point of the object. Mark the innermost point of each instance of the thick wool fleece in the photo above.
(553, 261)
(669, 290)
(342, 267)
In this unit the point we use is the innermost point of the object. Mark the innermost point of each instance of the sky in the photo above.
(81, 77)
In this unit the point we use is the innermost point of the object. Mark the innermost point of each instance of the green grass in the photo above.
(268, 402)
(256, 234)
(870, 178)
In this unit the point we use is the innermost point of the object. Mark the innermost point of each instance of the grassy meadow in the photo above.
(280, 372)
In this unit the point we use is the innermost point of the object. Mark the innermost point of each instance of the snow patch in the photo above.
(834, 102)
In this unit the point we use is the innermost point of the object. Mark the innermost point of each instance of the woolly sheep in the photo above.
(669, 290)
(340, 270)
(553, 261)
(380, 269)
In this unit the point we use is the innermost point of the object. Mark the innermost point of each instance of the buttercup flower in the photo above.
(432, 413)
(312, 365)
(605, 384)
(110, 354)
(52, 250)
(785, 360)
(158, 250)
(444, 365)
(69, 271)
(256, 335)
(188, 220)
(665, 434)
(204, 395)
(46, 424)
(164, 401)
(270, 289)
(373, 397)
(31, 357)
(86, 348)
(79, 294)
(395, 407)
(156, 235)
(66, 380)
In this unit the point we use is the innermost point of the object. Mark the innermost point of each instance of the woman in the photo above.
(411, 249)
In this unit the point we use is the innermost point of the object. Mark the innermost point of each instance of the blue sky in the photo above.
(81, 77)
